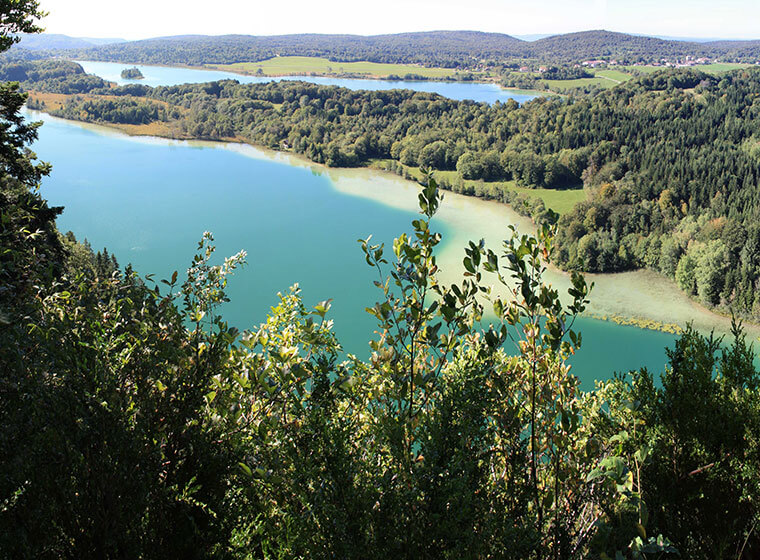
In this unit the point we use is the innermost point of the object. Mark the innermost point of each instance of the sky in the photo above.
(140, 19)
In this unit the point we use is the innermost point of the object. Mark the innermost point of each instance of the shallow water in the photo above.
(149, 200)
(169, 76)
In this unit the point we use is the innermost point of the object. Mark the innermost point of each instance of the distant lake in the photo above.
(168, 76)
(149, 200)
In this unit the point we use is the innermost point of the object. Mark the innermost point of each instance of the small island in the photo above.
(132, 74)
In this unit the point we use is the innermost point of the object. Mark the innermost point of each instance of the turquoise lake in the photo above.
(166, 76)
(149, 201)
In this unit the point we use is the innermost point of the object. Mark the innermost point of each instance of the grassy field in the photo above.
(719, 67)
(300, 65)
(615, 76)
(611, 77)
(715, 68)
(642, 69)
(559, 200)
(580, 82)
(602, 78)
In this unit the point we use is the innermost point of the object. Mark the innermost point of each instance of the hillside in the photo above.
(437, 48)
(53, 41)
(449, 49)
(633, 48)
(604, 44)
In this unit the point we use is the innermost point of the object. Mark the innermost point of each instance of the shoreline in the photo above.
(350, 76)
(658, 302)
(215, 68)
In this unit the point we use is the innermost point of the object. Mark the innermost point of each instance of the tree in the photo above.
(28, 238)
(469, 166)
(686, 273)
(18, 16)
(710, 271)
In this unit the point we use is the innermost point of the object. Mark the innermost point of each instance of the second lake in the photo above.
(170, 76)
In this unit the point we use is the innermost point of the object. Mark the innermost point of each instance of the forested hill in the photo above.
(436, 48)
(576, 47)
(452, 49)
(48, 41)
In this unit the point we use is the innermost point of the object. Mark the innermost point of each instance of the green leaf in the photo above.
(323, 307)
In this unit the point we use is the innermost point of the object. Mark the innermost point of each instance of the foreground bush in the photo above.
(137, 423)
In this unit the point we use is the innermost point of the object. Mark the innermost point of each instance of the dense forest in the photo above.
(587, 45)
(670, 161)
(449, 49)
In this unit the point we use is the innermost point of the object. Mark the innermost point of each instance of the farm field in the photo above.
(610, 77)
(613, 75)
(579, 83)
(715, 68)
(294, 65)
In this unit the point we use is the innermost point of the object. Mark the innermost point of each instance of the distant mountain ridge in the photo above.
(440, 48)
(431, 48)
(54, 41)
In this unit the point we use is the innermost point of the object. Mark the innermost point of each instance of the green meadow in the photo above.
(294, 65)
(559, 200)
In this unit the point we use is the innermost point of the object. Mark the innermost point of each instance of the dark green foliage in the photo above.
(675, 190)
(119, 111)
(450, 49)
(701, 432)
(18, 16)
(707, 425)
(113, 458)
(31, 251)
(54, 76)
(132, 73)
(565, 73)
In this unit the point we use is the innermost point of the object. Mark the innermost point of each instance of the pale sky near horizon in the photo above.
(139, 19)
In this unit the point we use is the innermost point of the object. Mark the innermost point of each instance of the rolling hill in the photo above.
(52, 41)
(450, 49)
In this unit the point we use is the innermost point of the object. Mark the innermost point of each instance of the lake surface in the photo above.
(167, 76)
(149, 201)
